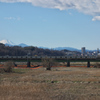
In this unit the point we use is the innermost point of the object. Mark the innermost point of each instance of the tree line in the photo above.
(31, 50)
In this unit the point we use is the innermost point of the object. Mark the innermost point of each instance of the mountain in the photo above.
(63, 48)
(23, 45)
(44, 47)
(67, 48)
(7, 42)
(10, 43)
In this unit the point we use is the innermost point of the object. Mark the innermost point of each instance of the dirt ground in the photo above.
(61, 83)
(35, 64)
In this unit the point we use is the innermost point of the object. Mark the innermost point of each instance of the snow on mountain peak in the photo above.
(7, 42)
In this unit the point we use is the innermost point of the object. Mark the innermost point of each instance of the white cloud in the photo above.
(12, 18)
(96, 18)
(91, 7)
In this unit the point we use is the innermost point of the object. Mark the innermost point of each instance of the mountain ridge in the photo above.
(10, 43)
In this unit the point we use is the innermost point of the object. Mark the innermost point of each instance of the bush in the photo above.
(8, 66)
(97, 65)
(1, 70)
(48, 63)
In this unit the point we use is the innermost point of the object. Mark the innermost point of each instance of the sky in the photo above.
(51, 23)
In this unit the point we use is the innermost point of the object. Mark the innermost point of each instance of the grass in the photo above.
(63, 83)
(20, 70)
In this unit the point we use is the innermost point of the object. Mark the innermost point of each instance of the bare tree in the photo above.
(48, 63)
(8, 66)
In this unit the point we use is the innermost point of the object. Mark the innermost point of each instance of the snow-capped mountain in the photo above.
(7, 42)
(10, 43)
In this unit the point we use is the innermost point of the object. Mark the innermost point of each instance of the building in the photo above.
(97, 50)
(83, 51)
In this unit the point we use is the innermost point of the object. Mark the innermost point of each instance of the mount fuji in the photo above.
(7, 42)
(10, 43)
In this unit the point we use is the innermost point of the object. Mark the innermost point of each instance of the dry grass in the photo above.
(64, 83)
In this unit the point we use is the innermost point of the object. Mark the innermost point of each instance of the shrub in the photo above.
(97, 65)
(48, 63)
(1, 70)
(8, 66)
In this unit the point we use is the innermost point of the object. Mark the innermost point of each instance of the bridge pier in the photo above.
(28, 64)
(88, 64)
(68, 63)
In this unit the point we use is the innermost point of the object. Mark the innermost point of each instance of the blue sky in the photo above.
(51, 23)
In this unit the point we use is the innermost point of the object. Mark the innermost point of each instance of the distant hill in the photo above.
(62, 48)
(67, 48)
(23, 45)
(10, 43)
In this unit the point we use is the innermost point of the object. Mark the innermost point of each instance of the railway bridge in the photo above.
(70, 59)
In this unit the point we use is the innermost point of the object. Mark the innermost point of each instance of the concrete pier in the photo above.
(28, 64)
(88, 64)
(68, 63)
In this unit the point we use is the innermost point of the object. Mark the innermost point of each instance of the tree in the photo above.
(48, 63)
